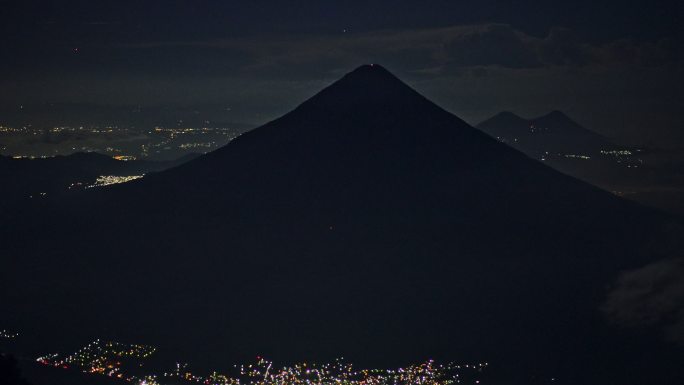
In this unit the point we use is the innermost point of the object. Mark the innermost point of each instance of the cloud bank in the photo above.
(651, 296)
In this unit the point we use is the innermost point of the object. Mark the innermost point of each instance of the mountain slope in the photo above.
(367, 223)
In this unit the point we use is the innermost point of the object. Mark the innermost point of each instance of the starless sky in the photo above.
(615, 66)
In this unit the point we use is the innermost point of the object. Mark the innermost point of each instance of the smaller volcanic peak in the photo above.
(556, 114)
(557, 120)
(506, 115)
(553, 132)
(505, 125)
(505, 118)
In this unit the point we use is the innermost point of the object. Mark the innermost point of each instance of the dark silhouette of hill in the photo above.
(367, 223)
(26, 179)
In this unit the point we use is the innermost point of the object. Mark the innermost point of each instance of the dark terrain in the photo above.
(367, 223)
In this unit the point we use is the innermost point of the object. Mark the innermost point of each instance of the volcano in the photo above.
(552, 134)
(367, 223)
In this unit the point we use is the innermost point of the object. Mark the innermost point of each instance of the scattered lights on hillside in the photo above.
(577, 156)
(100, 358)
(106, 180)
(186, 146)
(616, 152)
(124, 158)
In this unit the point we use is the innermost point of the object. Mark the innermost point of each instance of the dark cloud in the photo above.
(650, 296)
(436, 50)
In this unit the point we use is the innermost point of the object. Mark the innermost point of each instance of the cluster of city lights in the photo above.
(616, 152)
(624, 156)
(30, 157)
(158, 140)
(8, 334)
(186, 146)
(339, 372)
(106, 180)
(37, 131)
(619, 156)
(124, 158)
(577, 156)
(113, 359)
(4, 128)
(103, 358)
(169, 135)
(175, 132)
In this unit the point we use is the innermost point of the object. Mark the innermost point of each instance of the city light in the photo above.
(106, 180)
(115, 360)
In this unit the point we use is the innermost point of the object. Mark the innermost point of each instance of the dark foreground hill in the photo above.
(367, 223)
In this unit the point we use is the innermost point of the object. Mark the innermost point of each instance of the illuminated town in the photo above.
(106, 180)
(130, 363)
(126, 362)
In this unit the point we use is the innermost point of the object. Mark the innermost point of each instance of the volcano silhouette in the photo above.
(367, 223)
(554, 133)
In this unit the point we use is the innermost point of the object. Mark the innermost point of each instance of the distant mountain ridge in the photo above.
(554, 133)
(367, 223)
(637, 173)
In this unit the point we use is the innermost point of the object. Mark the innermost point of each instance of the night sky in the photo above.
(614, 66)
